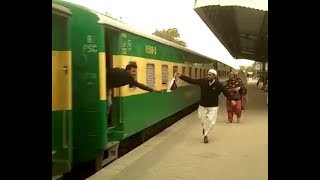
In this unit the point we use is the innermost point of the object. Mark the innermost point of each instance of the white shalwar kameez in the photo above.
(208, 117)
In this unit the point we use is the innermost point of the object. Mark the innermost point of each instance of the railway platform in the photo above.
(234, 151)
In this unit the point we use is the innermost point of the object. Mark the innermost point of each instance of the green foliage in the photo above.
(250, 69)
(170, 34)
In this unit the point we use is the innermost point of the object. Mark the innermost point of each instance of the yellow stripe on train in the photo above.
(102, 75)
(61, 80)
(122, 60)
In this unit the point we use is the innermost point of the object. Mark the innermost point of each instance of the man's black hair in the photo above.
(131, 65)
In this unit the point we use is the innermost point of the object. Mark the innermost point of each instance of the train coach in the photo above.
(85, 44)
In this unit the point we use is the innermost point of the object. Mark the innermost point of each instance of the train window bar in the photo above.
(164, 73)
(150, 78)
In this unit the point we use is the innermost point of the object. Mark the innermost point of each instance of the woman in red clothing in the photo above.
(237, 90)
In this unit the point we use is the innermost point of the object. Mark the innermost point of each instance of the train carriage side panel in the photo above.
(138, 109)
(89, 90)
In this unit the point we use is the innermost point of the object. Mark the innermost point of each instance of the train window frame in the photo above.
(175, 69)
(150, 76)
(164, 75)
(196, 73)
(132, 87)
(183, 70)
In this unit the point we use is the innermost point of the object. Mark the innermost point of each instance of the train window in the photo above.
(196, 73)
(204, 72)
(190, 72)
(135, 76)
(164, 72)
(150, 75)
(175, 69)
(183, 70)
(200, 73)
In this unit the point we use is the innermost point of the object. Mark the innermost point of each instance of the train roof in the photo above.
(61, 9)
(111, 22)
(121, 26)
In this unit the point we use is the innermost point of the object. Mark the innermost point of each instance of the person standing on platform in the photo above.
(237, 91)
(209, 101)
(244, 100)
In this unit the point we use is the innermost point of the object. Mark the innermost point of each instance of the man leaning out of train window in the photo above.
(118, 77)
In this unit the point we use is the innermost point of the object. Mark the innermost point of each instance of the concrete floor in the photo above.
(234, 152)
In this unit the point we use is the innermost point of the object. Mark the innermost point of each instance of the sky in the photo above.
(149, 15)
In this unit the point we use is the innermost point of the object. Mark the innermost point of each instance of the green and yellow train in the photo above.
(85, 44)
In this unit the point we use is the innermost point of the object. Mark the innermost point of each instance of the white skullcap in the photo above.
(212, 71)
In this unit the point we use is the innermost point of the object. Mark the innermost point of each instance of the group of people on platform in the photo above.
(235, 91)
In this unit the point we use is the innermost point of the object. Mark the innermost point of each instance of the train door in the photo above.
(61, 92)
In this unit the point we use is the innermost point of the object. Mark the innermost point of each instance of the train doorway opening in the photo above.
(110, 92)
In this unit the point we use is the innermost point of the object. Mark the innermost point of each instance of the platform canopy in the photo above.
(240, 25)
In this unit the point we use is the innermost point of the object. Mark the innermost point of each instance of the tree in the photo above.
(170, 34)
(250, 69)
(242, 68)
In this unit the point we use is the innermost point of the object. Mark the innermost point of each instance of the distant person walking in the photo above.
(241, 75)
